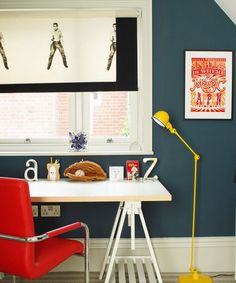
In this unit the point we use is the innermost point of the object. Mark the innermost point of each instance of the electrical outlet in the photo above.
(35, 210)
(50, 211)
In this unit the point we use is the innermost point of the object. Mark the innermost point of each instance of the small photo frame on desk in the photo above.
(116, 173)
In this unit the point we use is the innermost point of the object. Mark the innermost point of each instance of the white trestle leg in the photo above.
(142, 263)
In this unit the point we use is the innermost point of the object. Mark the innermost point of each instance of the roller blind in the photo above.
(126, 62)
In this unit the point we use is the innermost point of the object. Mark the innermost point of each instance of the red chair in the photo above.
(22, 253)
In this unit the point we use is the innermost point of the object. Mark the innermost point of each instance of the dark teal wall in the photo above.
(193, 25)
(177, 25)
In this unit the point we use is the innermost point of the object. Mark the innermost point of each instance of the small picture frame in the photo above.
(116, 173)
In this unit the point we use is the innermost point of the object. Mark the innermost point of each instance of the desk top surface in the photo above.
(103, 191)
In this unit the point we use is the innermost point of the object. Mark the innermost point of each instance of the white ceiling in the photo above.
(229, 7)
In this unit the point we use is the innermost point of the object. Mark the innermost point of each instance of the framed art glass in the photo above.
(208, 85)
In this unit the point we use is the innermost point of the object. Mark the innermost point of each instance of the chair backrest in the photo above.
(16, 219)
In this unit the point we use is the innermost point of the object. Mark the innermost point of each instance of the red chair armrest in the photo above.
(64, 229)
(50, 234)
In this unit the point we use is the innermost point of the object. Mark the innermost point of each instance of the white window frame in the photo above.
(142, 143)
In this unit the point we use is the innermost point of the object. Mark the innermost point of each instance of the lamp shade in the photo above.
(161, 118)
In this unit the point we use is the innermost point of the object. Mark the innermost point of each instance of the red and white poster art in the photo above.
(208, 84)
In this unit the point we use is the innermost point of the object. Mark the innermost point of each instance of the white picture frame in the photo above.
(116, 173)
(208, 84)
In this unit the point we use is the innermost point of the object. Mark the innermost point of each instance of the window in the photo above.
(116, 120)
(30, 116)
(109, 115)
(40, 122)
(110, 119)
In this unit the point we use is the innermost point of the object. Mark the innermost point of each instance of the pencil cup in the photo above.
(53, 171)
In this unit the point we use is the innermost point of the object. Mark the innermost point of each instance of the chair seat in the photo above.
(51, 252)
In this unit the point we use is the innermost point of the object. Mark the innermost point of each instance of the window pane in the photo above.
(109, 114)
(34, 115)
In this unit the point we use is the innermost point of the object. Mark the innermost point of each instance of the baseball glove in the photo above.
(85, 171)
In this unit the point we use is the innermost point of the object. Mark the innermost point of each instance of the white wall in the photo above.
(213, 254)
(229, 7)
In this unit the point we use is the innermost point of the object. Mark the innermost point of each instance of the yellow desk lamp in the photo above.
(162, 119)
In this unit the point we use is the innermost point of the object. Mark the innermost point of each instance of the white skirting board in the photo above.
(212, 254)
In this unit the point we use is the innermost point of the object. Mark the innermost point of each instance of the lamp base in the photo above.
(194, 277)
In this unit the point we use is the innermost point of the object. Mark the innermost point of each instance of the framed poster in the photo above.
(208, 85)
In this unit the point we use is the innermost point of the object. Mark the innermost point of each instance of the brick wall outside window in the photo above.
(110, 114)
(34, 115)
(46, 115)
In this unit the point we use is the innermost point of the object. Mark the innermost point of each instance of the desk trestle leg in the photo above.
(115, 246)
(121, 205)
(154, 261)
(129, 208)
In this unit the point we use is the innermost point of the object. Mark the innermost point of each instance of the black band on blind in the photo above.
(126, 32)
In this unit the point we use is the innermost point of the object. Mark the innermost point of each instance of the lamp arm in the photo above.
(174, 131)
(196, 158)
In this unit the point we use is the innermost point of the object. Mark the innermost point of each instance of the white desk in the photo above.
(102, 191)
(130, 194)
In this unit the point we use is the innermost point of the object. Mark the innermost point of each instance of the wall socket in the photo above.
(35, 209)
(50, 211)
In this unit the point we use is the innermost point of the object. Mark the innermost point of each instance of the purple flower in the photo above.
(78, 141)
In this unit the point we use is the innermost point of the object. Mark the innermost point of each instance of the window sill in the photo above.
(64, 150)
(73, 153)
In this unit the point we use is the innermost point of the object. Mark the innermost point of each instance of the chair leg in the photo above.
(86, 269)
(13, 279)
(86, 254)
